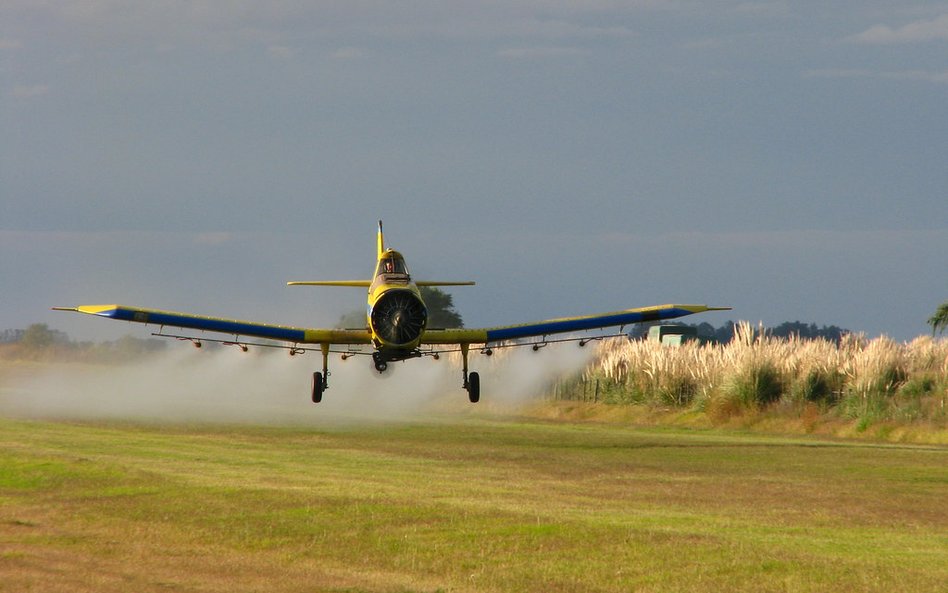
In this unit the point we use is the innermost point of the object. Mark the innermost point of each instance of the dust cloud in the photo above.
(265, 387)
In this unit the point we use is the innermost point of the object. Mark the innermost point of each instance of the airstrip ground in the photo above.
(470, 504)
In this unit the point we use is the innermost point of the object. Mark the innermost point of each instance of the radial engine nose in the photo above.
(399, 317)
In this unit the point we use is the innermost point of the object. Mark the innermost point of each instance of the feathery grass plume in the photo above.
(862, 379)
(923, 394)
(875, 367)
(669, 377)
(812, 371)
(756, 379)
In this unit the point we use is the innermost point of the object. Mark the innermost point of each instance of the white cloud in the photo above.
(532, 53)
(782, 241)
(281, 52)
(73, 58)
(29, 91)
(919, 75)
(916, 32)
(213, 238)
(349, 53)
(762, 9)
(558, 29)
(225, 24)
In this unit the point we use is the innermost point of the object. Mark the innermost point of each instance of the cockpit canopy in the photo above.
(392, 262)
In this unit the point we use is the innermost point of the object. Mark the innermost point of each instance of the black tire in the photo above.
(318, 387)
(380, 363)
(474, 387)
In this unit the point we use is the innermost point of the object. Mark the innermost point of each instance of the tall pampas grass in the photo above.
(873, 379)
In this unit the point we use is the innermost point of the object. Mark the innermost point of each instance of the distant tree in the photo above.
(639, 331)
(705, 330)
(939, 321)
(808, 331)
(39, 337)
(725, 333)
(441, 312)
(354, 319)
(8, 336)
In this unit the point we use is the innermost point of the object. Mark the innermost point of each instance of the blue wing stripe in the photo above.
(582, 323)
(205, 323)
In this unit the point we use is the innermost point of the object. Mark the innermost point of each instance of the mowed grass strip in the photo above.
(472, 505)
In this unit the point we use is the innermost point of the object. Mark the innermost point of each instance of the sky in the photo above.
(787, 159)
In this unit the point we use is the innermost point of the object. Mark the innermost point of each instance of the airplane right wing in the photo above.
(562, 325)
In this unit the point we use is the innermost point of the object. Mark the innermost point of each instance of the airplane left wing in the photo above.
(235, 327)
(562, 325)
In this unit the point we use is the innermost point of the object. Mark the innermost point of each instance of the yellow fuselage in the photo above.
(396, 314)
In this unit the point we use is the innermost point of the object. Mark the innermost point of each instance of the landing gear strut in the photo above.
(472, 381)
(321, 380)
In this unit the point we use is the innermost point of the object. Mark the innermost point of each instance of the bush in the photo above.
(758, 385)
(918, 387)
(819, 386)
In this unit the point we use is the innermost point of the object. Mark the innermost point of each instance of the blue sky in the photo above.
(789, 159)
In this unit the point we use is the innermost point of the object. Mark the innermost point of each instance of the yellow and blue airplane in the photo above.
(396, 324)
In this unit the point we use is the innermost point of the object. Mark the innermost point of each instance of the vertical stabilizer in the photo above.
(381, 241)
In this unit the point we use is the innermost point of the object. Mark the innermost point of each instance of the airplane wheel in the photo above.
(318, 387)
(380, 363)
(474, 388)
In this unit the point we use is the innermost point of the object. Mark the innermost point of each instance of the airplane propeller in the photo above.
(399, 317)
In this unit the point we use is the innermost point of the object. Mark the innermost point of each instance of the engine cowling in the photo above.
(399, 318)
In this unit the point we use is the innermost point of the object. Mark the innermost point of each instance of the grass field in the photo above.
(469, 504)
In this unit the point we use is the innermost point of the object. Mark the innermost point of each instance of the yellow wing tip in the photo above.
(90, 309)
(703, 308)
(689, 308)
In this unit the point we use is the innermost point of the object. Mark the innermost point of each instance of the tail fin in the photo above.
(381, 240)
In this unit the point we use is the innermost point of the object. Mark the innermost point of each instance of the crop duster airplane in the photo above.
(396, 324)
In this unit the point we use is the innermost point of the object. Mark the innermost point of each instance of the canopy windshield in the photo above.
(392, 263)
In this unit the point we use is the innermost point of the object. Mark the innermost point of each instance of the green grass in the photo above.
(465, 505)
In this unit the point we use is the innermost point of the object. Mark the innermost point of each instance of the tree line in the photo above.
(726, 332)
(40, 342)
